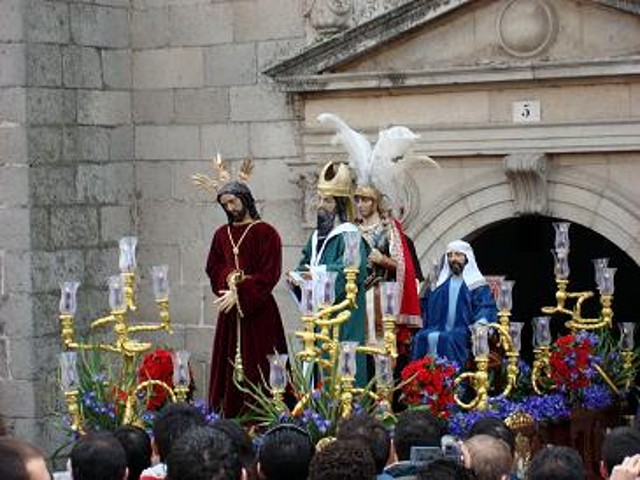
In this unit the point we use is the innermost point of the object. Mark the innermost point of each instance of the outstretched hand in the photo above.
(629, 469)
(227, 301)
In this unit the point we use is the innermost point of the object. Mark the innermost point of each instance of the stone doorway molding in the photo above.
(575, 197)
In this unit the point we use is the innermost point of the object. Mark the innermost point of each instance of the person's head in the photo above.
(335, 189)
(137, 447)
(237, 201)
(343, 460)
(557, 463)
(457, 261)
(488, 457)
(98, 456)
(204, 453)
(172, 421)
(619, 443)
(285, 453)
(416, 428)
(21, 461)
(241, 439)
(369, 431)
(444, 469)
(460, 260)
(367, 200)
(330, 209)
(496, 428)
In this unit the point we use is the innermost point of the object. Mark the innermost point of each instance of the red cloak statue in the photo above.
(260, 258)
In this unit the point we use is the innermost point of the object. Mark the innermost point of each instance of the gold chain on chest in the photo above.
(236, 246)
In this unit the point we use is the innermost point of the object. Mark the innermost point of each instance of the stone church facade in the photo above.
(108, 106)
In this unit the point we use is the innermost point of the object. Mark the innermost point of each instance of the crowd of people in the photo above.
(182, 446)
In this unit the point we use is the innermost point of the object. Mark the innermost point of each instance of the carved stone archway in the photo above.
(585, 201)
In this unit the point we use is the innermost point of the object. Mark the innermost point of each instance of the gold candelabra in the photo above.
(509, 334)
(122, 302)
(320, 335)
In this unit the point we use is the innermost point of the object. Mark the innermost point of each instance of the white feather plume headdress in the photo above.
(377, 166)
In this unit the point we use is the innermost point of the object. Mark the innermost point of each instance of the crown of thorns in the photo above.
(222, 175)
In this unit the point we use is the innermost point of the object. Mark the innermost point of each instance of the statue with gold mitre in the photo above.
(392, 256)
(244, 266)
(324, 251)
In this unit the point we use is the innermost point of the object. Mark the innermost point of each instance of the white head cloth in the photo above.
(471, 274)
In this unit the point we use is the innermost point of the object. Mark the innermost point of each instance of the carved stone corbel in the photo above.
(328, 17)
(527, 175)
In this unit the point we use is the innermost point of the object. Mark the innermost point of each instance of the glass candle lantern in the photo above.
(181, 375)
(505, 298)
(607, 285)
(351, 249)
(599, 264)
(542, 331)
(117, 300)
(561, 263)
(306, 297)
(384, 371)
(160, 279)
(127, 261)
(324, 288)
(278, 371)
(390, 304)
(480, 340)
(627, 330)
(68, 303)
(348, 359)
(562, 235)
(515, 332)
(69, 371)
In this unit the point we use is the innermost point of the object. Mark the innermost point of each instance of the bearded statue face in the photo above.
(327, 207)
(234, 207)
(457, 261)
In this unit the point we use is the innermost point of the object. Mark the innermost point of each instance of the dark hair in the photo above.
(241, 439)
(14, 456)
(619, 443)
(342, 209)
(494, 427)
(285, 453)
(343, 460)
(557, 463)
(416, 428)
(369, 431)
(98, 456)
(137, 447)
(172, 421)
(204, 453)
(444, 469)
(241, 191)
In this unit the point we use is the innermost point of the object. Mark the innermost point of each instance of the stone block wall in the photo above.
(66, 182)
(17, 392)
(197, 90)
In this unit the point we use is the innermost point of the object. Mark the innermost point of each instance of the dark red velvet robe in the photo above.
(262, 333)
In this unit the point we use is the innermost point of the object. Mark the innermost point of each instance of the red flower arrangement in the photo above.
(158, 365)
(572, 362)
(429, 382)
